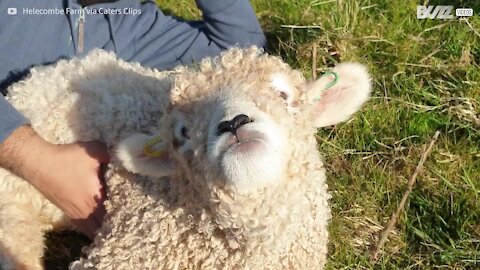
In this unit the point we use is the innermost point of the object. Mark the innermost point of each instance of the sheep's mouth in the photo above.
(246, 146)
(245, 141)
(250, 156)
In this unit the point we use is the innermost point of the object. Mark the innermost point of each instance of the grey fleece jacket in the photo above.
(39, 32)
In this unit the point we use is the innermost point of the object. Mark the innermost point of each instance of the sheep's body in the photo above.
(200, 216)
(58, 100)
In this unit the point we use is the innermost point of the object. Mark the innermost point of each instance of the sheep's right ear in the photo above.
(351, 86)
(145, 155)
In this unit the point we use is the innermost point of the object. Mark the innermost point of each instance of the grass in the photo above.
(426, 77)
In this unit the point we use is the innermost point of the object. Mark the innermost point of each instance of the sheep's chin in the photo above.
(252, 164)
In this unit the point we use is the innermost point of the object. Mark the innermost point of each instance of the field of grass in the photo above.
(426, 77)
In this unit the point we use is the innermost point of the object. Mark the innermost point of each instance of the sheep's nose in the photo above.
(234, 124)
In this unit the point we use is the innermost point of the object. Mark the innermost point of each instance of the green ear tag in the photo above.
(330, 84)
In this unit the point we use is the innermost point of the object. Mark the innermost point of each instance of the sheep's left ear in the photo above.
(145, 154)
(339, 94)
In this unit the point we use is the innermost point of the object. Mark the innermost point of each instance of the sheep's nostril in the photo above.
(239, 121)
(223, 127)
(234, 124)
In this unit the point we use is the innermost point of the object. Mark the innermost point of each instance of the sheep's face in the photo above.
(238, 129)
(246, 142)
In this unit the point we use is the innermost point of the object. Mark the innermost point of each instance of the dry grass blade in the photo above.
(301, 26)
(471, 27)
(384, 235)
(314, 61)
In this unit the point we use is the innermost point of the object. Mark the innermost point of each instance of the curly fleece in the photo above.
(191, 219)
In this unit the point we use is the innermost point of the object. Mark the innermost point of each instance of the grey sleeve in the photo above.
(10, 119)
(163, 41)
(229, 23)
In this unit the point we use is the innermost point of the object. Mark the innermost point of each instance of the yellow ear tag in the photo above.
(148, 148)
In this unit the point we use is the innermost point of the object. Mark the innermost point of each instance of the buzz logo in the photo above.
(434, 12)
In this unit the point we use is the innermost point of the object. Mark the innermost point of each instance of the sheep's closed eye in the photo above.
(282, 87)
(185, 133)
(284, 95)
(182, 137)
(181, 132)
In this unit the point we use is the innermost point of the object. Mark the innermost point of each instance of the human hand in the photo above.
(67, 175)
(72, 180)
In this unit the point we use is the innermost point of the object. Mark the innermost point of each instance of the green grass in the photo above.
(426, 77)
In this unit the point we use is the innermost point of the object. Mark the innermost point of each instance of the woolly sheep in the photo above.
(214, 166)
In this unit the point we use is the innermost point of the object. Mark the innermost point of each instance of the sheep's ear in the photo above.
(339, 102)
(145, 155)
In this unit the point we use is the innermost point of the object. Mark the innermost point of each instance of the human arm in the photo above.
(231, 22)
(161, 41)
(67, 175)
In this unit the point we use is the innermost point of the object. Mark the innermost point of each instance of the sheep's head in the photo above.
(238, 120)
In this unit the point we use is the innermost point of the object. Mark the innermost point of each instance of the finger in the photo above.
(101, 175)
(99, 210)
(92, 225)
(99, 214)
(102, 193)
(86, 226)
(98, 151)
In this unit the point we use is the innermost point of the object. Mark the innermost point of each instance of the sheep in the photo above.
(214, 166)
